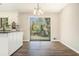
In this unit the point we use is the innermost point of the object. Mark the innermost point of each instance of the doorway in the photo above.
(39, 28)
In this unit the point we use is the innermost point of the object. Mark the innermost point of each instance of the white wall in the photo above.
(12, 16)
(70, 26)
(24, 22)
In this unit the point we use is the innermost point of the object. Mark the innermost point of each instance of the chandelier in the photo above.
(37, 11)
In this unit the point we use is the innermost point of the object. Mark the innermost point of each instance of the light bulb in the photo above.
(40, 11)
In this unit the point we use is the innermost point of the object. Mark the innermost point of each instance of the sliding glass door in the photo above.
(39, 29)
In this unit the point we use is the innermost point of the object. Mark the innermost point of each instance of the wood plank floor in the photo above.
(44, 48)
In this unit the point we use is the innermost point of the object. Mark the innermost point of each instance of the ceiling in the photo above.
(29, 7)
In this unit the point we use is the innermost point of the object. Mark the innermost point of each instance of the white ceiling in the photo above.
(29, 7)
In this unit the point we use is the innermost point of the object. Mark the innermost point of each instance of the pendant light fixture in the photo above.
(37, 11)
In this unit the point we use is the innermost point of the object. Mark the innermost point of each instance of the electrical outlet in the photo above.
(54, 38)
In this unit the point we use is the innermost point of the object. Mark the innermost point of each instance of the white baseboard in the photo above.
(55, 40)
(26, 40)
(70, 47)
